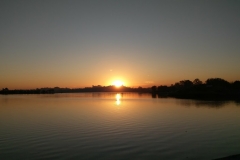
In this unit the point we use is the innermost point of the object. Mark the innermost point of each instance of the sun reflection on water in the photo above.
(118, 99)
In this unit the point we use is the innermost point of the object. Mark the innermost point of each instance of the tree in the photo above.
(5, 90)
(197, 82)
(154, 88)
(217, 82)
(186, 83)
(162, 88)
(236, 84)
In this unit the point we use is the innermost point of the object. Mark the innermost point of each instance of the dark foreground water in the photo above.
(116, 126)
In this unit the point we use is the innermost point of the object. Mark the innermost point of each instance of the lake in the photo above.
(116, 126)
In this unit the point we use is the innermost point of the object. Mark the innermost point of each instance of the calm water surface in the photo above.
(116, 126)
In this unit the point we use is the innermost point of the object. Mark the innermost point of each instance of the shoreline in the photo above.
(232, 157)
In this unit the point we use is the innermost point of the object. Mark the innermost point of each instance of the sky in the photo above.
(75, 43)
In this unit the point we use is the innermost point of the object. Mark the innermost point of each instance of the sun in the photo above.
(118, 83)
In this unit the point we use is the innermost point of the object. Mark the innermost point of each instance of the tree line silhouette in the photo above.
(97, 88)
(213, 88)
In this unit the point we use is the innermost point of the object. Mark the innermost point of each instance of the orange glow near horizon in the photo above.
(118, 83)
